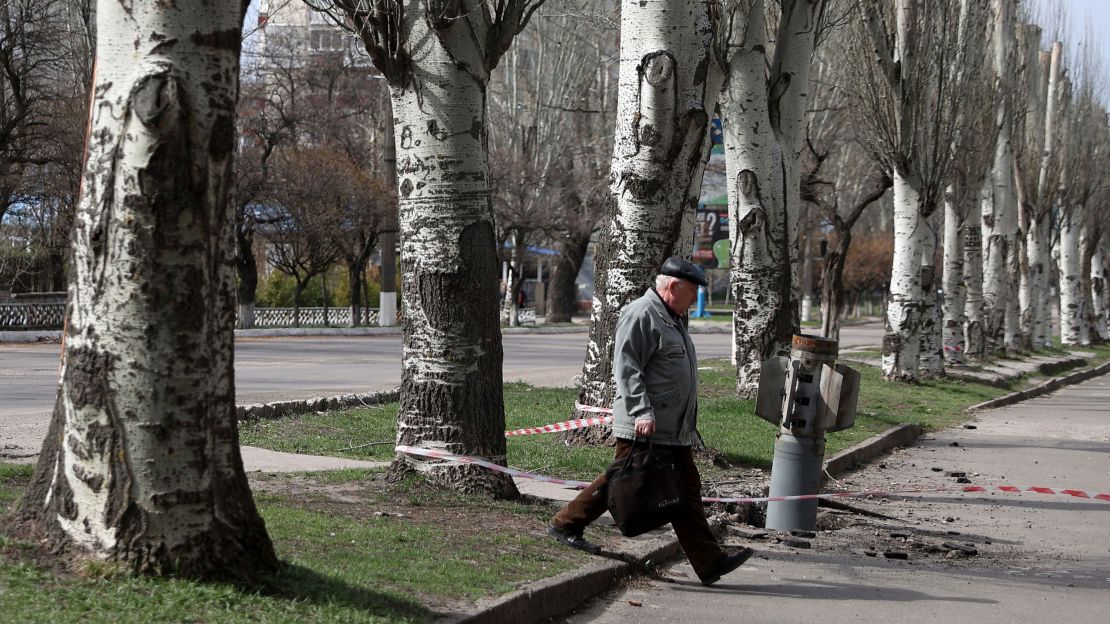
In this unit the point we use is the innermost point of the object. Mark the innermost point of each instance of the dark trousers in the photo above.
(690, 525)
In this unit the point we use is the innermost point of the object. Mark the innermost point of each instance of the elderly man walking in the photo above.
(656, 374)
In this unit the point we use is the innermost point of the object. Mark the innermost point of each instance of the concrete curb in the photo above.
(279, 409)
(871, 448)
(30, 336)
(1051, 385)
(560, 594)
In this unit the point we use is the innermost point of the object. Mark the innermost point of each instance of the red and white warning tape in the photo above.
(561, 426)
(477, 461)
(957, 348)
(1013, 489)
(568, 425)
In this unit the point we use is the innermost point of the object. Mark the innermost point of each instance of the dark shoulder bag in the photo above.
(644, 489)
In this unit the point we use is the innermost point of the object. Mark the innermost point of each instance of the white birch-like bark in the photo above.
(955, 289)
(1100, 302)
(141, 465)
(1028, 141)
(1072, 313)
(973, 274)
(668, 86)
(1086, 321)
(902, 342)
(763, 118)
(999, 217)
(514, 275)
(1040, 223)
(1035, 285)
(451, 378)
(931, 359)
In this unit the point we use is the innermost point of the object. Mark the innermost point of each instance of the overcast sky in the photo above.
(1080, 13)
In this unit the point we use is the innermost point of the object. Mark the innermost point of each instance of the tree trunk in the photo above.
(974, 340)
(1088, 242)
(999, 216)
(451, 381)
(1100, 302)
(955, 290)
(298, 288)
(805, 262)
(354, 278)
(668, 87)
(832, 286)
(762, 117)
(247, 269)
(324, 295)
(931, 359)
(1071, 295)
(902, 342)
(562, 295)
(516, 277)
(1037, 255)
(996, 277)
(1014, 343)
(57, 271)
(1040, 224)
(141, 465)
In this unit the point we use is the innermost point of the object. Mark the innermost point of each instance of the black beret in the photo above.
(683, 269)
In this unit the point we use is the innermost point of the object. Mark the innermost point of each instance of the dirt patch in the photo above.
(374, 496)
(911, 528)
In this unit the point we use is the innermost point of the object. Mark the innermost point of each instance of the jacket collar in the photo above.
(661, 308)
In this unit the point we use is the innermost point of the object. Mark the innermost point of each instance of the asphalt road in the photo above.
(1053, 551)
(273, 369)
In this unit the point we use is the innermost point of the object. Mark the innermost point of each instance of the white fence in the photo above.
(32, 315)
(18, 316)
(312, 317)
(523, 315)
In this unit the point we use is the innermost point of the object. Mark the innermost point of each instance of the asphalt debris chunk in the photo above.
(967, 551)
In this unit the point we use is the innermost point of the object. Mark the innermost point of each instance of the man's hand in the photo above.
(645, 427)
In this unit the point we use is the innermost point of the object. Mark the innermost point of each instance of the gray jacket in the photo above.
(656, 371)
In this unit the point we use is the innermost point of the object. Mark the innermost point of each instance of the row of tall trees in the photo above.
(992, 144)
